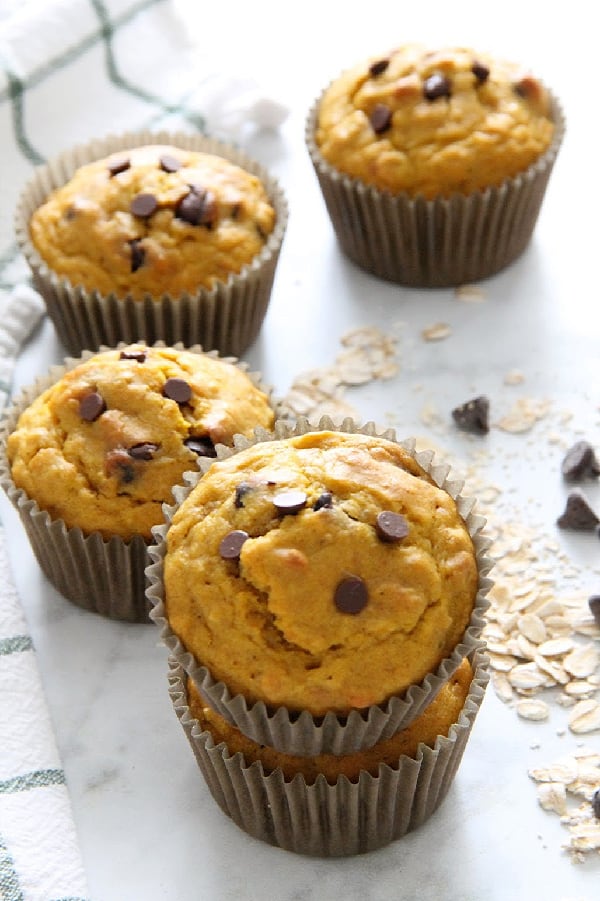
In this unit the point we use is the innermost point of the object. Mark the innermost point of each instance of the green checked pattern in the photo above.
(116, 65)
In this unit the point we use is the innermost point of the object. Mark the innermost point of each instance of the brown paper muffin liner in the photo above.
(321, 819)
(434, 243)
(105, 576)
(301, 733)
(226, 317)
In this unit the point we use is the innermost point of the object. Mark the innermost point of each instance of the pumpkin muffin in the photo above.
(172, 241)
(100, 444)
(446, 152)
(319, 588)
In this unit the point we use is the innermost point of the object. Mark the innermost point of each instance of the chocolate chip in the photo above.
(324, 500)
(91, 406)
(580, 461)
(289, 501)
(241, 491)
(472, 416)
(594, 605)
(169, 163)
(198, 207)
(435, 86)
(480, 72)
(231, 545)
(138, 254)
(143, 205)
(177, 390)
(380, 118)
(596, 803)
(119, 165)
(201, 445)
(391, 526)
(378, 67)
(351, 595)
(578, 515)
(138, 355)
(143, 451)
(118, 462)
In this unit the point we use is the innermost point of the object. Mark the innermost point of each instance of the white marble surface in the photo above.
(147, 824)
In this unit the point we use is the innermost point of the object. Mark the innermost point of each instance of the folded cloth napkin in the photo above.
(69, 72)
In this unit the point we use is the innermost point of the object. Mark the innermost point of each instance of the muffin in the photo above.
(434, 163)
(91, 453)
(332, 805)
(153, 237)
(319, 588)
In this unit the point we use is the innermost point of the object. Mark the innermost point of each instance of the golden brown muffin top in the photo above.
(434, 123)
(153, 220)
(321, 572)
(436, 720)
(103, 446)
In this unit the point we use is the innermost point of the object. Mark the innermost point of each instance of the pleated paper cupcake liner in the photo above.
(226, 317)
(324, 819)
(301, 733)
(105, 576)
(434, 243)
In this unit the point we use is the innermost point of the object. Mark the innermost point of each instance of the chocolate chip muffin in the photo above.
(446, 144)
(323, 574)
(172, 241)
(100, 448)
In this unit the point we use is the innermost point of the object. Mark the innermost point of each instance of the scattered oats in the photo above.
(532, 709)
(562, 770)
(583, 661)
(584, 837)
(514, 377)
(524, 415)
(555, 647)
(502, 664)
(502, 687)
(585, 717)
(564, 700)
(525, 676)
(532, 628)
(580, 688)
(436, 332)
(553, 796)
(469, 293)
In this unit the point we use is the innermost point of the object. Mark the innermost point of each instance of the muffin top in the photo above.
(153, 220)
(322, 572)
(103, 446)
(434, 123)
(435, 720)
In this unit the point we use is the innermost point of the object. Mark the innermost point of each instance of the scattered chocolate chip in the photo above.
(91, 406)
(380, 118)
(324, 500)
(201, 445)
(580, 461)
(378, 67)
(241, 491)
(351, 595)
(138, 254)
(119, 165)
(594, 605)
(480, 72)
(596, 803)
(137, 355)
(169, 163)
(578, 515)
(231, 545)
(289, 501)
(391, 526)
(143, 205)
(143, 451)
(118, 462)
(472, 416)
(198, 207)
(435, 86)
(177, 390)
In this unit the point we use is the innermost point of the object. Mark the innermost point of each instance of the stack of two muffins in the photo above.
(321, 593)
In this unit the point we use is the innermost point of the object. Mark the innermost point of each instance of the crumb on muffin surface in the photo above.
(434, 123)
(153, 220)
(321, 572)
